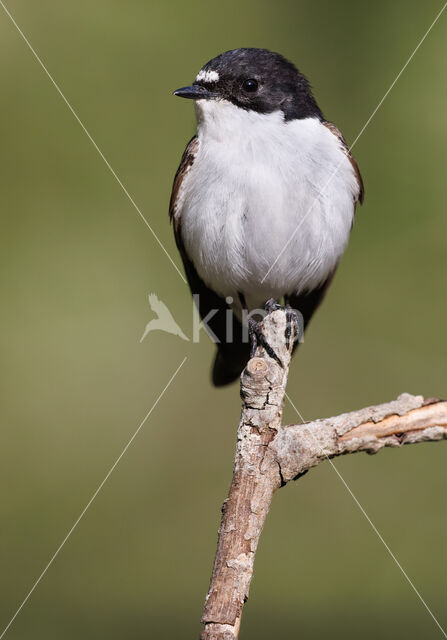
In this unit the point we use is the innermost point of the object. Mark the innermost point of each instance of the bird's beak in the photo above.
(195, 92)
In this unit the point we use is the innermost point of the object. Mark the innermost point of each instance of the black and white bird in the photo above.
(264, 198)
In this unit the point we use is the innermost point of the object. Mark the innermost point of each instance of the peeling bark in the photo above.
(407, 420)
(268, 455)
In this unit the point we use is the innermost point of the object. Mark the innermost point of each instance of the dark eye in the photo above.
(251, 85)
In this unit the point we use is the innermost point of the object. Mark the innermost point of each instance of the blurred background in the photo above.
(77, 265)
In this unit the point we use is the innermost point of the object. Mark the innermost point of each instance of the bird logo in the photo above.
(164, 320)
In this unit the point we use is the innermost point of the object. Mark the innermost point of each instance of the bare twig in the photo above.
(268, 455)
(407, 420)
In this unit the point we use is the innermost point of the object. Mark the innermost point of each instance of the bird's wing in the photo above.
(186, 163)
(156, 304)
(361, 191)
(232, 356)
(307, 303)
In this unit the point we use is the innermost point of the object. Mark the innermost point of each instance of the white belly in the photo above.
(267, 206)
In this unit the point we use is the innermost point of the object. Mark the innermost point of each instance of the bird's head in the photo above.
(254, 80)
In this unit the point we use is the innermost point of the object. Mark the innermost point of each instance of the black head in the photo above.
(257, 80)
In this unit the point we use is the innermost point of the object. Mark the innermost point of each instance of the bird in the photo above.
(164, 320)
(263, 200)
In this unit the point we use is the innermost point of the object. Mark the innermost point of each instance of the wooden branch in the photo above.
(407, 420)
(268, 455)
(255, 478)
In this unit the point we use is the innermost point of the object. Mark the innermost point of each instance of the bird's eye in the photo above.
(251, 85)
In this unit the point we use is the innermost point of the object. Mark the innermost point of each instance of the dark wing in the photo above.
(231, 357)
(333, 129)
(308, 303)
(186, 163)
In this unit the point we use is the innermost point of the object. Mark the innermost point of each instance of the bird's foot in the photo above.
(293, 321)
(258, 339)
(272, 305)
(293, 326)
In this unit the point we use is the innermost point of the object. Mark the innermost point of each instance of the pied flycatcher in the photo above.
(264, 198)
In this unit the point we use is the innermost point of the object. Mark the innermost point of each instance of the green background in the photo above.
(77, 264)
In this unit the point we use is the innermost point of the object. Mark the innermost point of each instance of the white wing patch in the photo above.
(207, 76)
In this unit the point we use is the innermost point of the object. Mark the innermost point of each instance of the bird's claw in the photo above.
(272, 305)
(293, 327)
(257, 338)
(292, 332)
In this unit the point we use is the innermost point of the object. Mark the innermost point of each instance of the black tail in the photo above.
(229, 363)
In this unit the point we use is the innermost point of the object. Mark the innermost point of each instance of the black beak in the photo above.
(195, 92)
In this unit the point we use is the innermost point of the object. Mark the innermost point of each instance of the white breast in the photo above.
(265, 192)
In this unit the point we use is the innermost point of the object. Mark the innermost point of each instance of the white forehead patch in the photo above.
(207, 76)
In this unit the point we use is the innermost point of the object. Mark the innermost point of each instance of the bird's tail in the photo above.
(229, 363)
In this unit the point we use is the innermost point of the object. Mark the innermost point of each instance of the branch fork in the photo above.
(268, 455)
